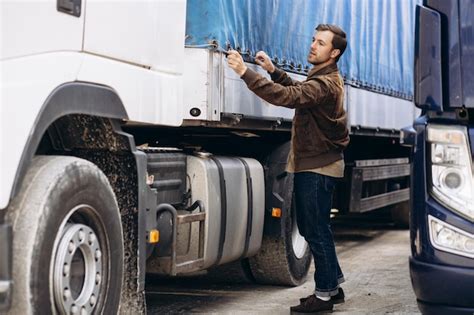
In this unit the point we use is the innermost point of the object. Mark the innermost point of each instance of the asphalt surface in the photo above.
(373, 254)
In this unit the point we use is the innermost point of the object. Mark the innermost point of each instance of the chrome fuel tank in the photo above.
(232, 190)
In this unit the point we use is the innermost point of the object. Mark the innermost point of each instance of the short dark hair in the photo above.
(339, 40)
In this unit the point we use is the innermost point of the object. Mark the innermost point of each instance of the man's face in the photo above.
(321, 49)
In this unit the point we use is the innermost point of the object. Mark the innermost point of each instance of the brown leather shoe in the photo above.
(313, 305)
(339, 298)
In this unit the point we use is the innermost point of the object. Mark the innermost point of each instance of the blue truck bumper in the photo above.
(442, 289)
(5, 266)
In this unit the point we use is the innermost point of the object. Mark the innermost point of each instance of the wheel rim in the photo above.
(77, 268)
(298, 242)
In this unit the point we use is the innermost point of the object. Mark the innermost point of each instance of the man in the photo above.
(319, 136)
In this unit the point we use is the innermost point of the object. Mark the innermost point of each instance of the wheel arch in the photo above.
(95, 100)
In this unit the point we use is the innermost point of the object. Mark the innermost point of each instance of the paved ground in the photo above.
(373, 255)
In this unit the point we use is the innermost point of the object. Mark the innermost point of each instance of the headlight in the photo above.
(450, 239)
(452, 180)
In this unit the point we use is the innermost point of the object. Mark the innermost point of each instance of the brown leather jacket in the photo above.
(319, 133)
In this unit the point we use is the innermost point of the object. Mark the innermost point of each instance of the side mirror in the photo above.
(428, 78)
(408, 136)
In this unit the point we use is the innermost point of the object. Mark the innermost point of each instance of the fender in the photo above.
(82, 98)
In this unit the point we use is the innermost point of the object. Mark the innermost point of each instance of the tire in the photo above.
(401, 214)
(234, 272)
(283, 260)
(67, 243)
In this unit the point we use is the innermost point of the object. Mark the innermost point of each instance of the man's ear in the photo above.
(335, 53)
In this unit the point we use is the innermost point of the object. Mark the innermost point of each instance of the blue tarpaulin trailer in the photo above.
(380, 35)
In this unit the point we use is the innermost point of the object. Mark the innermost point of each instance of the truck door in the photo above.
(40, 26)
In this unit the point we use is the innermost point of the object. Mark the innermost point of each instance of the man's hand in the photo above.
(235, 61)
(262, 59)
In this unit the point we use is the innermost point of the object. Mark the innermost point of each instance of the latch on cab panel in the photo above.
(72, 7)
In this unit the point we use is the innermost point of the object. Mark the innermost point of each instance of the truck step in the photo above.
(193, 217)
(169, 264)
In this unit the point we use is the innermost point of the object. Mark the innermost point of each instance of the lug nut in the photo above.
(81, 235)
(92, 238)
(98, 254)
(97, 278)
(74, 309)
(71, 247)
(67, 294)
(66, 270)
(92, 300)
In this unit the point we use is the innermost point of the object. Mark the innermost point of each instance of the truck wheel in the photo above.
(401, 214)
(67, 244)
(283, 260)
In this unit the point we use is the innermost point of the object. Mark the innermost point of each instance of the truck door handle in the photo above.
(72, 7)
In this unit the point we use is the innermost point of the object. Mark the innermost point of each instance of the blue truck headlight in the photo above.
(451, 169)
(448, 238)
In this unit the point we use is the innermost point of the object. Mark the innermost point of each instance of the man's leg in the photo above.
(313, 194)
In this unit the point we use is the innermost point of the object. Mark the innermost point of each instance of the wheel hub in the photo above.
(77, 270)
(298, 242)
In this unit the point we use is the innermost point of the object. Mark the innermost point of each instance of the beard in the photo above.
(317, 59)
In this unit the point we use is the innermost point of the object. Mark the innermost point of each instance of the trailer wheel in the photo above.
(401, 214)
(283, 260)
(67, 244)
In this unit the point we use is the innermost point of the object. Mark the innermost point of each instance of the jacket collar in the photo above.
(315, 71)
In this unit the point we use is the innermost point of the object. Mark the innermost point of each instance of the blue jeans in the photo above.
(313, 196)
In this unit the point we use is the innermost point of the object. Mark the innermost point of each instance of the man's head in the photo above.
(329, 43)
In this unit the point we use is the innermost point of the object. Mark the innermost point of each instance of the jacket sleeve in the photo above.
(281, 77)
(305, 95)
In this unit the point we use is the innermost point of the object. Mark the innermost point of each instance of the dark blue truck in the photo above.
(442, 216)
